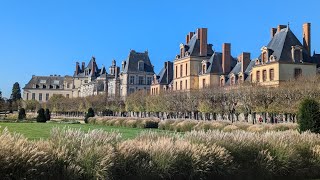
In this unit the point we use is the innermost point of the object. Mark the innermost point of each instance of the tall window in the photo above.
(131, 90)
(27, 96)
(180, 85)
(203, 69)
(187, 69)
(264, 57)
(149, 80)
(222, 82)
(141, 80)
(131, 79)
(176, 71)
(141, 66)
(271, 74)
(33, 96)
(186, 84)
(297, 73)
(264, 75)
(181, 67)
(258, 76)
(176, 85)
(40, 96)
(240, 79)
(203, 83)
(67, 96)
(297, 55)
(47, 96)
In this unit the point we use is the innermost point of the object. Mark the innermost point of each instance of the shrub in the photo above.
(41, 116)
(22, 114)
(89, 114)
(47, 115)
(309, 116)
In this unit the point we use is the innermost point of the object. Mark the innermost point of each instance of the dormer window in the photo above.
(264, 55)
(273, 58)
(141, 66)
(296, 52)
(257, 62)
(203, 68)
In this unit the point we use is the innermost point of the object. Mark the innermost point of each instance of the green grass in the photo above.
(35, 131)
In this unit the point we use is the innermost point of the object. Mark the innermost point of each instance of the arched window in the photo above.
(180, 85)
(264, 75)
(221, 82)
(271, 74)
(297, 55)
(258, 76)
(264, 57)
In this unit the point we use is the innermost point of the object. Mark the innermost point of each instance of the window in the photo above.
(131, 79)
(68, 96)
(68, 85)
(271, 74)
(176, 71)
(47, 96)
(37, 86)
(57, 87)
(264, 57)
(40, 96)
(141, 66)
(56, 82)
(181, 70)
(203, 69)
(131, 90)
(180, 85)
(43, 81)
(141, 80)
(297, 73)
(258, 76)
(27, 96)
(297, 55)
(186, 84)
(203, 83)
(186, 69)
(222, 82)
(264, 75)
(149, 80)
(44, 86)
(251, 78)
(176, 85)
(33, 96)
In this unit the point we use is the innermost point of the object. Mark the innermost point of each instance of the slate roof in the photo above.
(281, 45)
(131, 63)
(90, 65)
(166, 74)
(49, 80)
(193, 47)
(215, 64)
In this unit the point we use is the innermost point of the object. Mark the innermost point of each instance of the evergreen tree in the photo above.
(22, 114)
(89, 114)
(16, 92)
(41, 116)
(309, 116)
(48, 115)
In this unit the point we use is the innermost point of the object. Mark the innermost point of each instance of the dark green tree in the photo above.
(48, 115)
(41, 116)
(22, 114)
(309, 116)
(89, 114)
(16, 92)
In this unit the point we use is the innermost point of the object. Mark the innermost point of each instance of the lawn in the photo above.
(34, 131)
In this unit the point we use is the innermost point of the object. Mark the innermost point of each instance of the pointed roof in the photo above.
(131, 63)
(281, 45)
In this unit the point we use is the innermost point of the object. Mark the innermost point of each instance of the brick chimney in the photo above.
(226, 58)
(187, 39)
(307, 37)
(273, 32)
(203, 37)
(245, 60)
(77, 68)
(281, 27)
(83, 66)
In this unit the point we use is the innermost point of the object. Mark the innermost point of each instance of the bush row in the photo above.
(73, 154)
(125, 122)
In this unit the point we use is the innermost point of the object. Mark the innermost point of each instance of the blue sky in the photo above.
(47, 37)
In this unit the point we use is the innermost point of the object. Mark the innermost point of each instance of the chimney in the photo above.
(226, 58)
(169, 66)
(245, 61)
(281, 27)
(203, 37)
(93, 70)
(83, 66)
(273, 32)
(307, 37)
(77, 68)
(187, 39)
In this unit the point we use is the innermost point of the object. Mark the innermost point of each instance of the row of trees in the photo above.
(201, 104)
